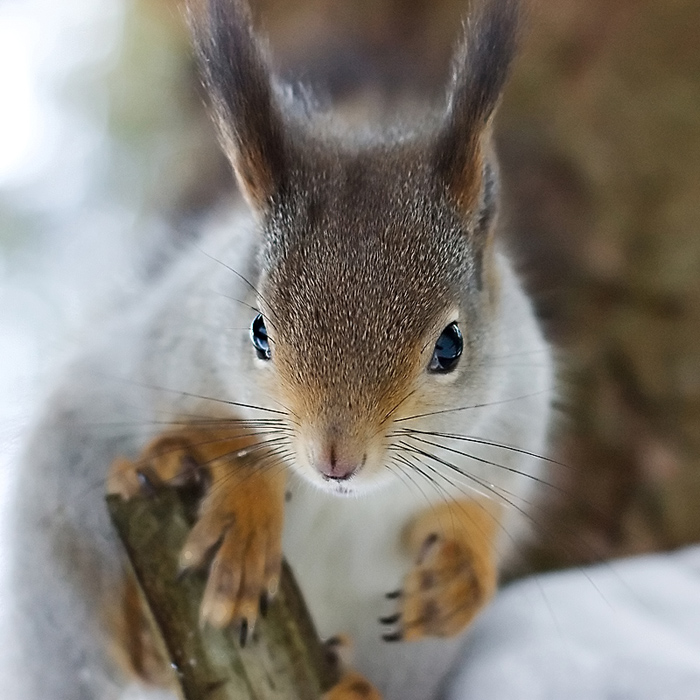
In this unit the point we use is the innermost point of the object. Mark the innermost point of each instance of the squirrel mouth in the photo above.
(339, 488)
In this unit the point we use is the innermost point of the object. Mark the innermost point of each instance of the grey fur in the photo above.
(361, 248)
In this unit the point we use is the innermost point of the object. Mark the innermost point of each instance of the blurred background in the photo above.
(105, 148)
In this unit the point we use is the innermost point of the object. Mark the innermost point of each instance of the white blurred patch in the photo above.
(53, 127)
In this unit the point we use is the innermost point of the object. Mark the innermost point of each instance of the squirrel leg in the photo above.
(132, 644)
(454, 574)
(239, 527)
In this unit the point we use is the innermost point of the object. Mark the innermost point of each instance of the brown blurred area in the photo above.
(599, 136)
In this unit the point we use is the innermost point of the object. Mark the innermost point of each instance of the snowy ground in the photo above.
(628, 630)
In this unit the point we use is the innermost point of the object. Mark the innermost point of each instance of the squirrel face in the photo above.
(377, 282)
(365, 268)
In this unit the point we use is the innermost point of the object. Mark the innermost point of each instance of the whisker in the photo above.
(238, 301)
(396, 408)
(193, 395)
(494, 490)
(543, 482)
(440, 490)
(483, 441)
(201, 424)
(231, 456)
(499, 498)
(238, 274)
(398, 473)
(269, 461)
(473, 406)
(405, 461)
(490, 463)
(489, 487)
(469, 495)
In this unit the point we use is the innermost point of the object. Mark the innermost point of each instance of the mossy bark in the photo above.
(284, 659)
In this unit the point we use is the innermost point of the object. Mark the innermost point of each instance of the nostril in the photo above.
(334, 464)
(337, 471)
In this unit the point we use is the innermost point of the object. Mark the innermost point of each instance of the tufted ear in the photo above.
(481, 67)
(239, 84)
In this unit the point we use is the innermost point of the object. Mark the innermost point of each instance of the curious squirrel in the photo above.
(355, 328)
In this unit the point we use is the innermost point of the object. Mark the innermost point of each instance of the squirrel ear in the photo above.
(238, 81)
(481, 67)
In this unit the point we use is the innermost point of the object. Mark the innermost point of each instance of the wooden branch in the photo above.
(284, 660)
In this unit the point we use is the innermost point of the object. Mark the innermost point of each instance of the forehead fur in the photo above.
(364, 255)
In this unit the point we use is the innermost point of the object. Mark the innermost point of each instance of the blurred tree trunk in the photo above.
(600, 137)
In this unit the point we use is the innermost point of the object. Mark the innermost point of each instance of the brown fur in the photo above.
(133, 645)
(353, 686)
(395, 226)
(240, 516)
(369, 248)
(243, 511)
(455, 572)
(247, 114)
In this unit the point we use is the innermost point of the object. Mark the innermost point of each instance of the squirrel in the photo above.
(352, 325)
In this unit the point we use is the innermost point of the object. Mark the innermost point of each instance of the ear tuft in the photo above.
(239, 84)
(481, 68)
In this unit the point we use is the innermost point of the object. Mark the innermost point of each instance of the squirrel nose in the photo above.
(335, 468)
(337, 473)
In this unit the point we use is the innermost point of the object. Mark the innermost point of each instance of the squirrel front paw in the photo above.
(239, 527)
(241, 519)
(454, 574)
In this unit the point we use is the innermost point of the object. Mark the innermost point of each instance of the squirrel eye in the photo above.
(261, 342)
(448, 350)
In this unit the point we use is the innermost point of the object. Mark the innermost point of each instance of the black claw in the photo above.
(332, 657)
(390, 619)
(331, 647)
(264, 604)
(194, 474)
(427, 547)
(244, 632)
(394, 637)
(394, 594)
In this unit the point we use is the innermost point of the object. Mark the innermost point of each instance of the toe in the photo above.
(220, 602)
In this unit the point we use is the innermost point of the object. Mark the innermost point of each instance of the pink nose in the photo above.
(336, 467)
(337, 470)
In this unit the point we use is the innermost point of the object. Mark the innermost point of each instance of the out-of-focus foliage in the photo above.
(601, 144)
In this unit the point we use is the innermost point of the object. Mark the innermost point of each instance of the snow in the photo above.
(627, 630)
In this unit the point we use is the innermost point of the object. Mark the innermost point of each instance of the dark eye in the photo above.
(448, 350)
(258, 333)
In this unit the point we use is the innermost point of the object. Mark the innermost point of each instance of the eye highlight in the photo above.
(448, 350)
(261, 342)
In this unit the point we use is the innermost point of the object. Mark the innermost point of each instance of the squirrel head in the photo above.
(377, 285)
